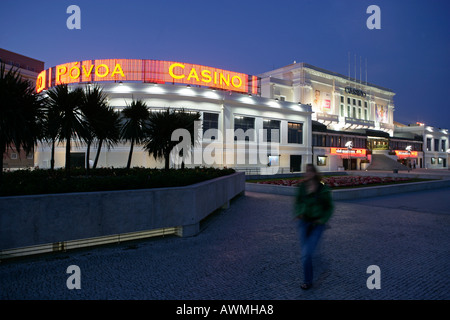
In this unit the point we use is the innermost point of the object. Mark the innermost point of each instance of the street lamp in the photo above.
(408, 162)
(349, 146)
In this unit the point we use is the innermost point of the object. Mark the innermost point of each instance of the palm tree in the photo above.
(135, 120)
(51, 129)
(109, 132)
(20, 113)
(67, 104)
(161, 126)
(94, 101)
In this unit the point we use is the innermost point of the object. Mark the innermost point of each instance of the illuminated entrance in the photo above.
(377, 143)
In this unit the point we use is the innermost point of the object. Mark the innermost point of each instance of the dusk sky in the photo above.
(410, 54)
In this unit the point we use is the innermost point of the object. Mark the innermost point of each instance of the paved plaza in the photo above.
(250, 251)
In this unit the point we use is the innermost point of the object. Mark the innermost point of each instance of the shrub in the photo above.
(43, 181)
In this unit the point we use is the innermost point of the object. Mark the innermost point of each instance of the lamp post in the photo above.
(409, 148)
(349, 146)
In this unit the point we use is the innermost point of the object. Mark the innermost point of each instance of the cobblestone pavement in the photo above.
(250, 251)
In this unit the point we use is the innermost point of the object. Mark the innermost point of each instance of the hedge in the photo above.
(45, 181)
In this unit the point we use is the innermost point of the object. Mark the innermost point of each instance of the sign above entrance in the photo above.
(152, 71)
(346, 152)
(406, 154)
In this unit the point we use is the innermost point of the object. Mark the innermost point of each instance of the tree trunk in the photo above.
(67, 157)
(52, 159)
(98, 153)
(2, 151)
(131, 153)
(167, 161)
(88, 151)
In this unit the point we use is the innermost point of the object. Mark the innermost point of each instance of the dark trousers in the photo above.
(310, 235)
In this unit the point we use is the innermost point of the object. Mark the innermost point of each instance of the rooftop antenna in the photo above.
(366, 71)
(349, 65)
(360, 70)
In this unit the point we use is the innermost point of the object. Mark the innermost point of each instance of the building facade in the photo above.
(350, 118)
(239, 128)
(275, 122)
(29, 69)
(435, 151)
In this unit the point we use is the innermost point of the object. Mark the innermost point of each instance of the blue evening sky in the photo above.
(410, 54)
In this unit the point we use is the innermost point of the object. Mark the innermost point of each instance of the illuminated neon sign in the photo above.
(351, 152)
(154, 71)
(406, 154)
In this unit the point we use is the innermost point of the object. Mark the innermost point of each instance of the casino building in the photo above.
(275, 122)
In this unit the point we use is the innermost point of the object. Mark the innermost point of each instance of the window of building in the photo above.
(359, 113)
(436, 144)
(342, 111)
(14, 156)
(348, 100)
(271, 136)
(210, 121)
(318, 140)
(29, 156)
(245, 124)
(348, 111)
(354, 112)
(359, 103)
(365, 114)
(433, 160)
(365, 104)
(428, 144)
(354, 102)
(321, 160)
(295, 132)
(443, 145)
(342, 99)
(440, 160)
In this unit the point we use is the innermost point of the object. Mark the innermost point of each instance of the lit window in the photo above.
(271, 136)
(321, 161)
(295, 132)
(246, 124)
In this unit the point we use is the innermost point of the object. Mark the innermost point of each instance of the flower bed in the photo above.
(340, 181)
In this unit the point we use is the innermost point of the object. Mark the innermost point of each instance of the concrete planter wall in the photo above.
(53, 219)
(354, 193)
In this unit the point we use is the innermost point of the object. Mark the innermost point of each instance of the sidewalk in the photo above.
(250, 251)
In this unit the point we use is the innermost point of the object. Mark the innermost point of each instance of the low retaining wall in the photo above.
(367, 192)
(355, 193)
(51, 220)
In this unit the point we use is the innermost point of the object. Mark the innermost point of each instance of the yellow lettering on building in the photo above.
(223, 79)
(239, 81)
(77, 71)
(215, 78)
(173, 75)
(59, 72)
(206, 76)
(193, 74)
(118, 69)
(88, 73)
(97, 73)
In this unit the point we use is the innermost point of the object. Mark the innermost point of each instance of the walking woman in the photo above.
(313, 208)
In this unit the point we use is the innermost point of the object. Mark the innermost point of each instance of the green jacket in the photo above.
(315, 207)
